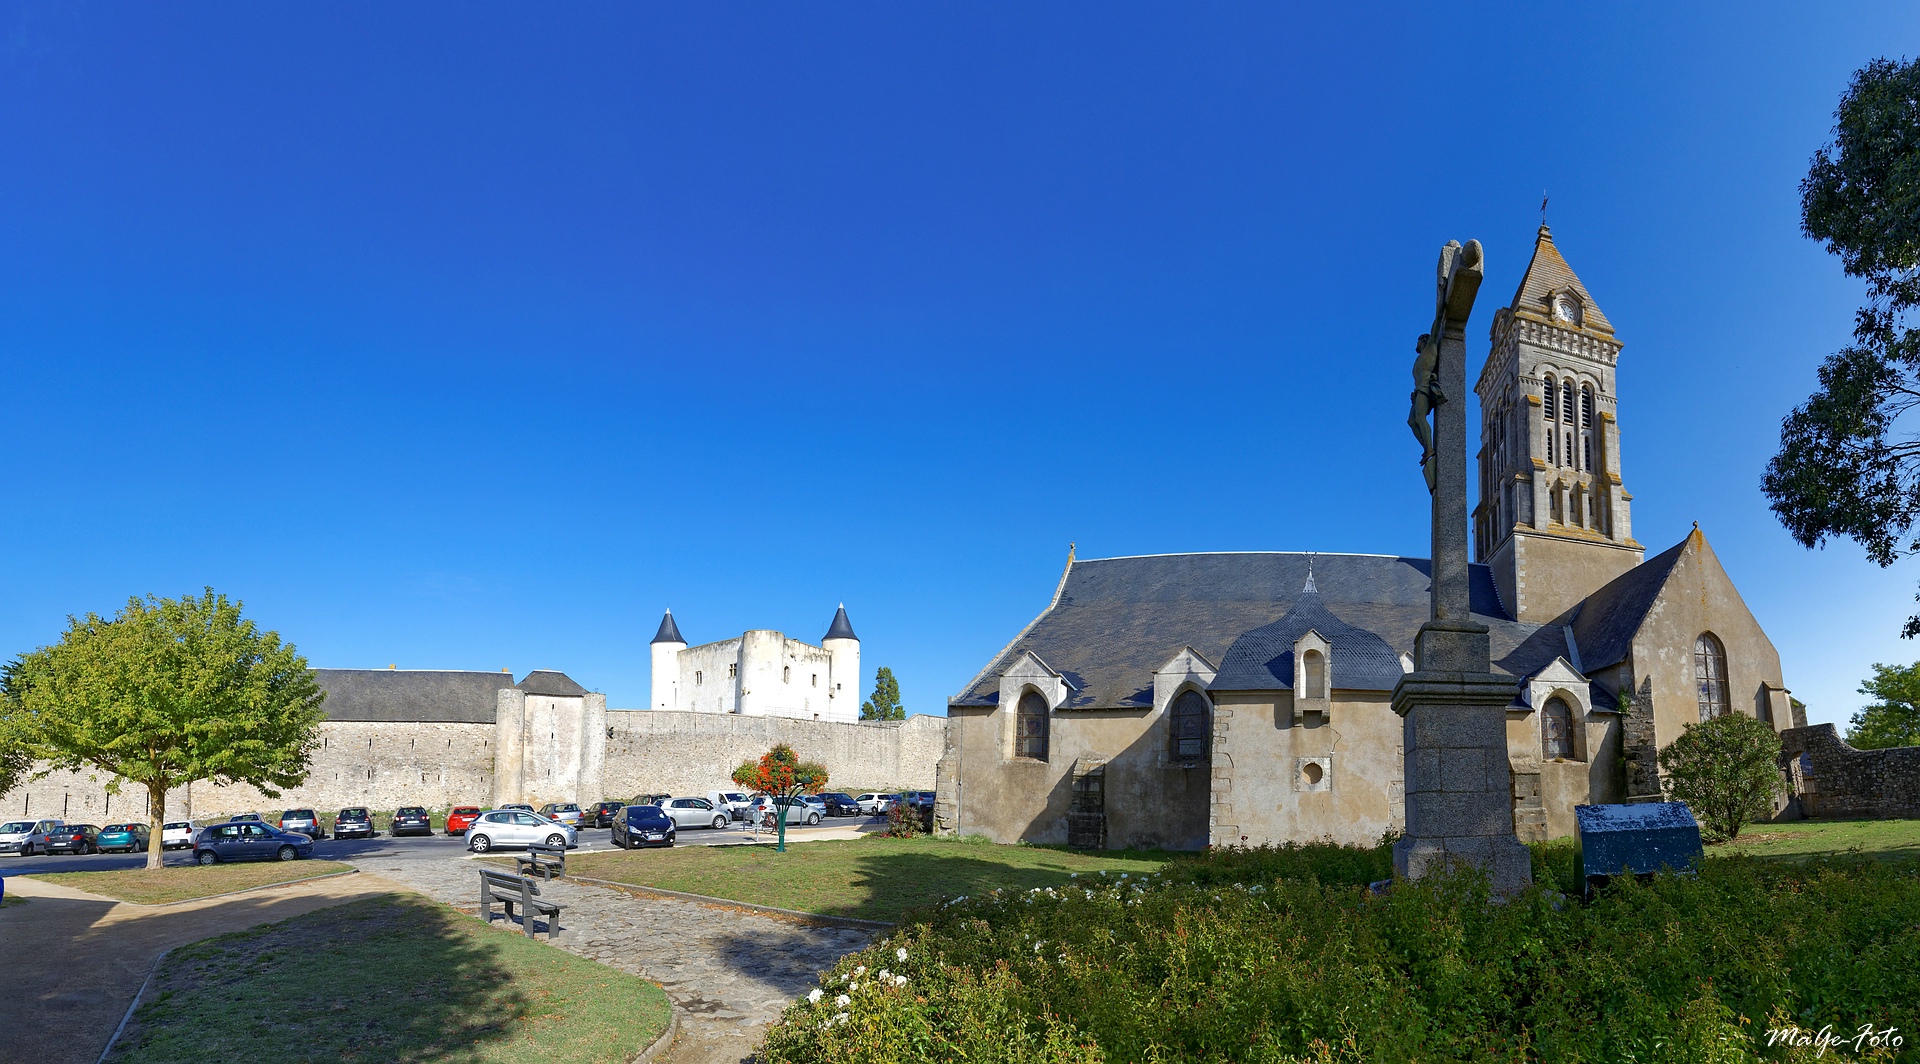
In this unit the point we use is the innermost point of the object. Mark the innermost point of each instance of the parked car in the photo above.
(460, 818)
(518, 805)
(304, 821)
(245, 818)
(42, 831)
(797, 810)
(178, 835)
(694, 813)
(353, 823)
(649, 799)
(734, 802)
(517, 827)
(124, 838)
(249, 841)
(873, 803)
(838, 804)
(20, 836)
(411, 820)
(921, 800)
(603, 814)
(73, 838)
(563, 813)
(643, 825)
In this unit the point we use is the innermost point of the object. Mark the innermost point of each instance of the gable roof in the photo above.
(1262, 660)
(394, 695)
(1608, 619)
(551, 683)
(1548, 272)
(1114, 621)
(669, 632)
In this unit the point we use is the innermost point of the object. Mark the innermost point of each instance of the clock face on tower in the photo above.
(1566, 310)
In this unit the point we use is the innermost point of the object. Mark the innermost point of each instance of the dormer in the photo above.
(1312, 677)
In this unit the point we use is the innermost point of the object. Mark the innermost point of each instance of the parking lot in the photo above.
(438, 846)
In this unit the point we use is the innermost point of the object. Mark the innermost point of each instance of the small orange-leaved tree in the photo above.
(782, 774)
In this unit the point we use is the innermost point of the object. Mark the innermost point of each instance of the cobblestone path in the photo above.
(730, 972)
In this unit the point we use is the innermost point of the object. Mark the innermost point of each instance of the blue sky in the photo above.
(472, 336)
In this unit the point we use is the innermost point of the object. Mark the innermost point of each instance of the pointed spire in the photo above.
(1310, 589)
(669, 632)
(841, 628)
(1548, 276)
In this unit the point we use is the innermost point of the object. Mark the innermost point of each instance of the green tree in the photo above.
(885, 703)
(1726, 770)
(1894, 717)
(15, 759)
(1849, 459)
(167, 692)
(782, 774)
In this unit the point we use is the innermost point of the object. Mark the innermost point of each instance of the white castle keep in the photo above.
(760, 674)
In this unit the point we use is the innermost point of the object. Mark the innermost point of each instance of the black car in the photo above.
(74, 838)
(354, 823)
(839, 804)
(411, 820)
(603, 814)
(642, 825)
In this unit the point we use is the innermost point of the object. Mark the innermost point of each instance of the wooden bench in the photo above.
(517, 890)
(543, 861)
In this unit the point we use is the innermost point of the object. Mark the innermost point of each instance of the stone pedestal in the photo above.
(1459, 800)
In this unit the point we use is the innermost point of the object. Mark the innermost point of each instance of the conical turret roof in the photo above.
(1548, 274)
(669, 632)
(841, 628)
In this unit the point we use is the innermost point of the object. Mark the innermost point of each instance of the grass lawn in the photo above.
(393, 978)
(187, 882)
(869, 879)
(1884, 839)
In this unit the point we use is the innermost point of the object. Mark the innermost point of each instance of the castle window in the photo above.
(1547, 395)
(786, 673)
(816, 679)
(1556, 730)
(1031, 740)
(1566, 399)
(1710, 675)
(1586, 406)
(698, 677)
(733, 671)
(1315, 664)
(1191, 723)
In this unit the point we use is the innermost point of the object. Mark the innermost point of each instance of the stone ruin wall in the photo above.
(694, 753)
(1831, 779)
(376, 764)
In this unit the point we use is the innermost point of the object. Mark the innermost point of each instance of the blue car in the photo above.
(249, 841)
(643, 825)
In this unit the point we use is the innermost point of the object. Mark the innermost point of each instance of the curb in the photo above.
(661, 1043)
(134, 1004)
(728, 903)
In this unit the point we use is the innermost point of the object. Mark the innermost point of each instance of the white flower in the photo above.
(900, 980)
(901, 953)
(842, 1001)
(885, 975)
(860, 970)
(814, 997)
(825, 1024)
(853, 988)
(839, 1017)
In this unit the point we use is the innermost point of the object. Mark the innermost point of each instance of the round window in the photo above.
(1313, 772)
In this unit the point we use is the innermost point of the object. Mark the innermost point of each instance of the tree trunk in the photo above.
(157, 822)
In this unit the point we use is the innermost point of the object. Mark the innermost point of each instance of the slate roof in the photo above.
(1262, 660)
(1548, 271)
(549, 682)
(1605, 626)
(393, 695)
(1115, 620)
(669, 632)
(841, 627)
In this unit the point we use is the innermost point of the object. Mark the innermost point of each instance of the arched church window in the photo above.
(1556, 729)
(1566, 399)
(1316, 678)
(1192, 721)
(1586, 406)
(1710, 675)
(1032, 739)
(1547, 396)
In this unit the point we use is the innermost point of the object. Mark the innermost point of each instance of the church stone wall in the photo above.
(1337, 775)
(376, 764)
(1832, 779)
(693, 753)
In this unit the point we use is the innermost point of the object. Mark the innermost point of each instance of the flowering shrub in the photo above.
(905, 822)
(1194, 964)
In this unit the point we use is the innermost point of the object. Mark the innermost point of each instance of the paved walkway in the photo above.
(731, 972)
(73, 960)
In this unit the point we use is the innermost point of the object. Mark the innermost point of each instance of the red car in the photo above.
(460, 818)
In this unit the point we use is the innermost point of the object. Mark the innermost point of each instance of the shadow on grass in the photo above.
(385, 979)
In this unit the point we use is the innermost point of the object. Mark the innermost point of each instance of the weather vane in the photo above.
(1543, 207)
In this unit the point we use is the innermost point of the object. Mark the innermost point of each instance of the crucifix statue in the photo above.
(1440, 376)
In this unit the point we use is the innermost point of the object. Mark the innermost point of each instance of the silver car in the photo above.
(695, 813)
(18, 836)
(567, 813)
(517, 827)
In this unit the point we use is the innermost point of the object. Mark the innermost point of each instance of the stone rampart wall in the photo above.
(693, 753)
(1832, 779)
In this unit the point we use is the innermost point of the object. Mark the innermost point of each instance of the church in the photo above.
(1187, 700)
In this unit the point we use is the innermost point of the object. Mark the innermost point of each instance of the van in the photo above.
(734, 802)
(26, 836)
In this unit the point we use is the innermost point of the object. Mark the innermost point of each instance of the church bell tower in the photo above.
(1553, 520)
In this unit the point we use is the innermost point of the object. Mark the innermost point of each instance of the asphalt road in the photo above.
(414, 847)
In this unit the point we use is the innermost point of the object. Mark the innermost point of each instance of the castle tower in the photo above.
(667, 645)
(843, 701)
(1553, 518)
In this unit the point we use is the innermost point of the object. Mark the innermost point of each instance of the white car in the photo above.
(178, 835)
(874, 803)
(695, 813)
(732, 803)
(17, 836)
(518, 827)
